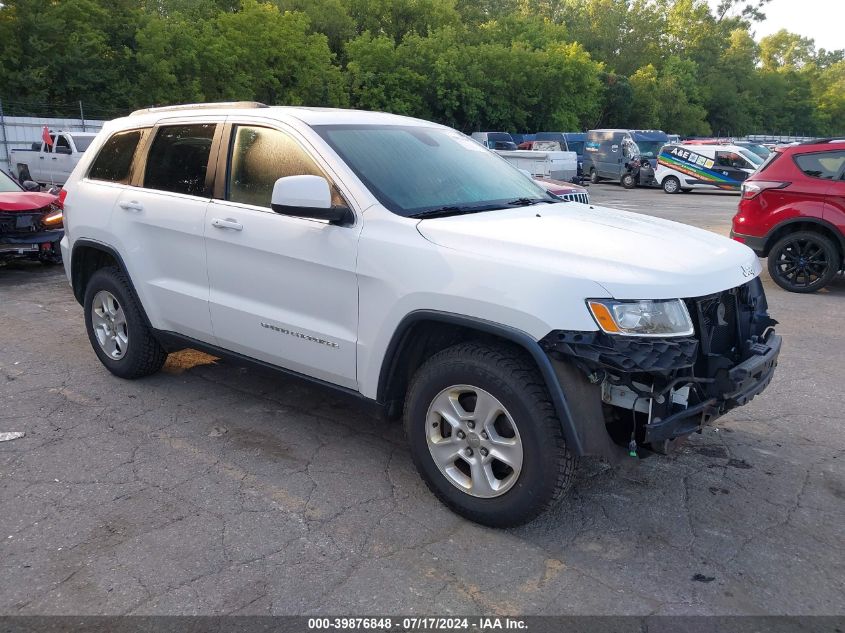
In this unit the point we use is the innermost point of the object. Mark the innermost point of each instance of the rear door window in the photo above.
(114, 161)
(178, 159)
(824, 165)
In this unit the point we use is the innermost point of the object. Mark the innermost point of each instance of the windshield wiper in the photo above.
(527, 202)
(442, 212)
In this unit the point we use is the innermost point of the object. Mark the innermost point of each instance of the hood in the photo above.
(632, 256)
(25, 200)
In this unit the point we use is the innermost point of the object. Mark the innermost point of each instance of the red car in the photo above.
(30, 223)
(792, 211)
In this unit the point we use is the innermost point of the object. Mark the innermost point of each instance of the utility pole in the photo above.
(5, 140)
(82, 115)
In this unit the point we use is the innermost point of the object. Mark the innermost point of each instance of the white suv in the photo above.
(402, 262)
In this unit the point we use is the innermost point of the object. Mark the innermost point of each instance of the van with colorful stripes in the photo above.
(685, 167)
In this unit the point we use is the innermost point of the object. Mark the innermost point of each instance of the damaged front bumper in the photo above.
(671, 387)
(30, 244)
(742, 383)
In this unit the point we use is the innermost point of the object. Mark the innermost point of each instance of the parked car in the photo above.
(495, 140)
(30, 223)
(567, 190)
(760, 150)
(792, 211)
(756, 148)
(50, 164)
(402, 263)
(705, 166)
(606, 152)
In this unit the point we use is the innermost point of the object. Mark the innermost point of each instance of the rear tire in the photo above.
(116, 327)
(515, 420)
(594, 176)
(804, 261)
(671, 184)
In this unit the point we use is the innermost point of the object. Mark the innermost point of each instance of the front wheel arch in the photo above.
(423, 333)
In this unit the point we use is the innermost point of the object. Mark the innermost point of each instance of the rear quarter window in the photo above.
(114, 161)
(824, 165)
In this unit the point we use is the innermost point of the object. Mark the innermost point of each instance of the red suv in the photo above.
(792, 211)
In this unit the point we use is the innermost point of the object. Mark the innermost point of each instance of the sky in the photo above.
(822, 20)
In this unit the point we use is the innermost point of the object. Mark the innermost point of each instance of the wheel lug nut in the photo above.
(461, 434)
(484, 434)
(469, 452)
(471, 424)
(484, 452)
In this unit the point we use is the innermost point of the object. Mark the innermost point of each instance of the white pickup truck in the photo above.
(50, 164)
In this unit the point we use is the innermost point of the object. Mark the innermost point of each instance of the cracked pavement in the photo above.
(215, 489)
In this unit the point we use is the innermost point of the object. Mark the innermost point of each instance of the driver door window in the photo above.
(732, 159)
(258, 157)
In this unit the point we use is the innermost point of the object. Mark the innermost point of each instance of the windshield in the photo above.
(413, 170)
(751, 157)
(760, 150)
(82, 142)
(7, 184)
(650, 149)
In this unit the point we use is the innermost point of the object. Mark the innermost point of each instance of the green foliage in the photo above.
(686, 66)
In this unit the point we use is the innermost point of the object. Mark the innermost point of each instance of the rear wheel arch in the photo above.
(805, 224)
(87, 258)
(423, 333)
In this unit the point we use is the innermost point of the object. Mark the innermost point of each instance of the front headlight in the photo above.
(56, 215)
(667, 317)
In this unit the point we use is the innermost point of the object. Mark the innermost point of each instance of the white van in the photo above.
(687, 167)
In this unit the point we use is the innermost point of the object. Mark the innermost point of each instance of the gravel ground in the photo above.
(215, 489)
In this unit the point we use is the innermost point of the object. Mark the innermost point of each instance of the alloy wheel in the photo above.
(801, 262)
(474, 441)
(109, 324)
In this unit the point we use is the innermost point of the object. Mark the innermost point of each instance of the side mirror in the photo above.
(30, 185)
(307, 197)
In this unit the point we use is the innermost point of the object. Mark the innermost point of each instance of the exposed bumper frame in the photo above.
(747, 379)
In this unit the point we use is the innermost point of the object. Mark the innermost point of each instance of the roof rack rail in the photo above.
(818, 141)
(201, 106)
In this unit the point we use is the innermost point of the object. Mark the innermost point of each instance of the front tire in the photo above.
(594, 176)
(804, 261)
(484, 435)
(671, 184)
(628, 181)
(116, 327)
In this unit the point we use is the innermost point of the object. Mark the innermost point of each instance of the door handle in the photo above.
(131, 205)
(228, 223)
(40, 158)
(53, 158)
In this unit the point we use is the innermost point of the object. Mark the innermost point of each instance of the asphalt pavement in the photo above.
(215, 489)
